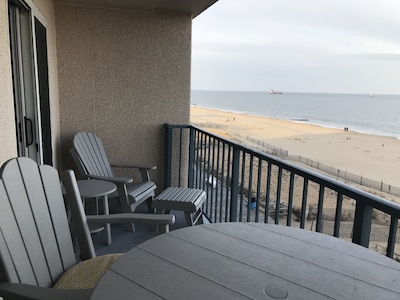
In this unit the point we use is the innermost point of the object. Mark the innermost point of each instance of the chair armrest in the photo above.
(19, 291)
(144, 170)
(162, 220)
(116, 180)
(135, 167)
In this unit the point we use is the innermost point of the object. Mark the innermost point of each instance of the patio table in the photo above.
(249, 261)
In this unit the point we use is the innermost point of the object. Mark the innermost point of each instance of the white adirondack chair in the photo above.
(91, 159)
(36, 249)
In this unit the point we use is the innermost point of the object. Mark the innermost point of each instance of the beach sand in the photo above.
(374, 157)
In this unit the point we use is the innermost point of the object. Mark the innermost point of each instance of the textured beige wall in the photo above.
(122, 75)
(8, 146)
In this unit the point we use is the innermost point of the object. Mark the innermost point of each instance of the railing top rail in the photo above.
(176, 126)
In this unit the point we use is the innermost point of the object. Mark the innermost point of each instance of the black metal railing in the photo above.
(243, 184)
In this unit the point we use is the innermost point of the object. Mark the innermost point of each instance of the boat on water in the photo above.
(271, 91)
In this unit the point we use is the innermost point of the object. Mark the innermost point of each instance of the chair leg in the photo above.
(149, 207)
(194, 218)
(162, 228)
(123, 199)
(124, 202)
(107, 226)
(189, 220)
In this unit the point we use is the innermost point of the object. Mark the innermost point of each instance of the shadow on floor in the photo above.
(123, 240)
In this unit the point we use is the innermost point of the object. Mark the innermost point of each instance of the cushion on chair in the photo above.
(86, 274)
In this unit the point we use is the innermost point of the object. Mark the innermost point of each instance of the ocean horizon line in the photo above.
(297, 92)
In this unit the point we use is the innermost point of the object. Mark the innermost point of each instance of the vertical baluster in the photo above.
(207, 174)
(192, 153)
(318, 226)
(168, 157)
(242, 179)
(180, 157)
(259, 175)
(267, 193)
(204, 160)
(235, 183)
(217, 181)
(201, 160)
(210, 185)
(362, 224)
(278, 195)
(304, 203)
(250, 186)
(229, 187)
(290, 202)
(394, 222)
(222, 182)
(198, 159)
(338, 214)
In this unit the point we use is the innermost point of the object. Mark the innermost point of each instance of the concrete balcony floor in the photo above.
(123, 240)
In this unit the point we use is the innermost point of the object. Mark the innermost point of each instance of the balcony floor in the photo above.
(123, 240)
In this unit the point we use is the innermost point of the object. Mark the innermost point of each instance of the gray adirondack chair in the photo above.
(36, 247)
(92, 162)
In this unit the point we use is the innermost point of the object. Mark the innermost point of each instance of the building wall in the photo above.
(8, 145)
(123, 75)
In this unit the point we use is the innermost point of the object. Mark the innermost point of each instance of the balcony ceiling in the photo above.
(190, 7)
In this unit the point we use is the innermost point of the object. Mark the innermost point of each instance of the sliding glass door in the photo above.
(28, 44)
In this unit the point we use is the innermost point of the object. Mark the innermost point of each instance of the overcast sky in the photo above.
(343, 46)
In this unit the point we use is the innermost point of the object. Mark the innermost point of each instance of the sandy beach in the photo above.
(374, 157)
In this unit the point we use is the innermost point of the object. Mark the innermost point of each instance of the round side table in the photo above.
(98, 189)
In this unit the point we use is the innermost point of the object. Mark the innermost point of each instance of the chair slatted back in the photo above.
(91, 154)
(35, 239)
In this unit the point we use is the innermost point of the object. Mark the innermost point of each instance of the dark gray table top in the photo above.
(95, 188)
(249, 261)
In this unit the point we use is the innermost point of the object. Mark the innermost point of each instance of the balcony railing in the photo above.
(244, 184)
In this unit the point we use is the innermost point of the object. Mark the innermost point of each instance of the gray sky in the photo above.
(343, 46)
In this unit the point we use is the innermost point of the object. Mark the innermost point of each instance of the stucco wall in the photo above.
(122, 75)
(8, 146)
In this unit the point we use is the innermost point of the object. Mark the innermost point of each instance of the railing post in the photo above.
(234, 185)
(192, 152)
(168, 156)
(394, 223)
(362, 224)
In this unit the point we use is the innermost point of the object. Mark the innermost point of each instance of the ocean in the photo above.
(370, 114)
